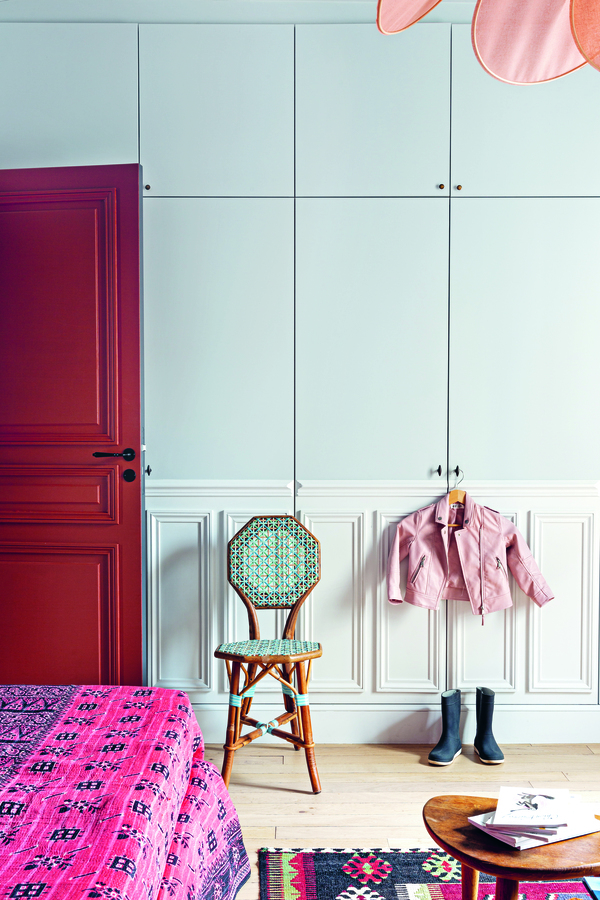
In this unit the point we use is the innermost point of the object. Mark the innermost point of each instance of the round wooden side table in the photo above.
(446, 821)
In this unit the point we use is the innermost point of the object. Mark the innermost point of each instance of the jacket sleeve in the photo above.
(524, 568)
(405, 533)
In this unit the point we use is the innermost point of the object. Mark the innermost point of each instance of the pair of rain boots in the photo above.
(449, 745)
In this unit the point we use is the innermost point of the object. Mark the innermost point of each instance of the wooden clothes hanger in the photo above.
(456, 496)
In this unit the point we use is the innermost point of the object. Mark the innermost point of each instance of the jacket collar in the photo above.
(442, 511)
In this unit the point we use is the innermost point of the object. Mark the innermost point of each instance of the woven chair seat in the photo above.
(274, 648)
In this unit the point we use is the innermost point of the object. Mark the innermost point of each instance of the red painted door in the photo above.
(70, 520)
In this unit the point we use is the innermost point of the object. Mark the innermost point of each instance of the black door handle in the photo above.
(128, 454)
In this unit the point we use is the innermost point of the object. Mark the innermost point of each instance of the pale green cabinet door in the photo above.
(372, 111)
(217, 110)
(522, 140)
(525, 320)
(69, 95)
(371, 338)
(218, 328)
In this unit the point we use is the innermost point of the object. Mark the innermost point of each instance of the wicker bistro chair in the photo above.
(274, 562)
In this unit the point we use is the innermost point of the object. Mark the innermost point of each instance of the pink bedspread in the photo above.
(104, 793)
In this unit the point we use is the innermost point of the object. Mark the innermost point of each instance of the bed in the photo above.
(104, 793)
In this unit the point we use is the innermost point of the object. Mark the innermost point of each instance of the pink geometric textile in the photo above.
(585, 23)
(397, 15)
(105, 794)
(525, 41)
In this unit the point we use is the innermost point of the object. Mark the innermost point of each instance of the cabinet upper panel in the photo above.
(371, 337)
(218, 331)
(515, 140)
(69, 95)
(524, 361)
(217, 109)
(372, 111)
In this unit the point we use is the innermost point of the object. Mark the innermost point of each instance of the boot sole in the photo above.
(488, 762)
(433, 762)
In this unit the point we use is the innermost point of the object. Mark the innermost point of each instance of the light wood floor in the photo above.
(373, 794)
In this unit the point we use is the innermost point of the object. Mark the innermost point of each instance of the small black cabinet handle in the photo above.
(128, 454)
(129, 475)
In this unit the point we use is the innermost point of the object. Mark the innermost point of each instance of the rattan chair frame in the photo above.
(282, 668)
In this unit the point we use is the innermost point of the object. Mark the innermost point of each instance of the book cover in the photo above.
(593, 886)
(525, 806)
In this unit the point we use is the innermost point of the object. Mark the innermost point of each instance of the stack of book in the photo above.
(527, 818)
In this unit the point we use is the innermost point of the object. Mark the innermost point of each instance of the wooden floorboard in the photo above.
(373, 794)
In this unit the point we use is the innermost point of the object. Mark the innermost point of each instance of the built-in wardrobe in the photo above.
(365, 262)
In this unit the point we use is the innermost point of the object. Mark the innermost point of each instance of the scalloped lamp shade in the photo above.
(585, 24)
(518, 41)
(398, 15)
(525, 41)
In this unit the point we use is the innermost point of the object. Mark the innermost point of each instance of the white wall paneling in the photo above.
(179, 600)
(218, 298)
(217, 110)
(410, 643)
(371, 337)
(361, 127)
(385, 665)
(335, 608)
(523, 355)
(562, 648)
(484, 653)
(69, 95)
(513, 140)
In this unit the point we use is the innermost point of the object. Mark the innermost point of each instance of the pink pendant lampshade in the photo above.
(396, 15)
(585, 22)
(526, 41)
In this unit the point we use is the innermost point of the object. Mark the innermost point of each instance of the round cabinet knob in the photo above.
(459, 187)
(147, 187)
(441, 186)
(129, 475)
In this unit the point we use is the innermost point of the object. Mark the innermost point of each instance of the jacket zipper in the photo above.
(500, 566)
(418, 569)
(481, 574)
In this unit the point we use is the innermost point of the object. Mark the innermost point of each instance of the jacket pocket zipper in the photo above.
(500, 566)
(418, 569)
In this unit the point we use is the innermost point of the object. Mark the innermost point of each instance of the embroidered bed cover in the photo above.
(104, 793)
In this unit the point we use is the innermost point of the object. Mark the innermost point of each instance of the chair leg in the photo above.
(233, 726)
(309, 747)
(290, 703)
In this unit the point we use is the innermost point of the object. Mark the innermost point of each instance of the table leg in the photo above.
(469, 882)
(507, 889)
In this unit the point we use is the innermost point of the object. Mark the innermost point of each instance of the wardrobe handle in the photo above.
(459, 187)
(439, 471)
(441, 186)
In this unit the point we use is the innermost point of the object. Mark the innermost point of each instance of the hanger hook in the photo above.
(457, 472)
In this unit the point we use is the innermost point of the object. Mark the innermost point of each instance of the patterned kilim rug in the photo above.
(287, 874)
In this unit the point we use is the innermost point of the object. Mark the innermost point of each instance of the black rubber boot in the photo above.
(486, 747)
(448, 747)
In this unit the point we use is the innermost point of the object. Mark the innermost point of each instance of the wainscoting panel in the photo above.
(563, 636)
(402, 627)
(335, 609)
(383, 666)
(179, 600)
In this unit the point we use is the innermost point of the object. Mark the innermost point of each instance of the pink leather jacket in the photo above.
(468, 562)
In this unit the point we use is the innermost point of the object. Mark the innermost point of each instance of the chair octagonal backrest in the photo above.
(273, 562)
